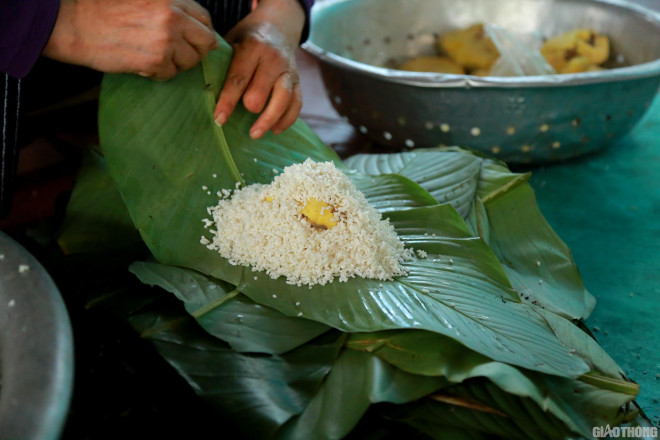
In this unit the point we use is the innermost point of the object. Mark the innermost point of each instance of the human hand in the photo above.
(264, 66)
(154, 38)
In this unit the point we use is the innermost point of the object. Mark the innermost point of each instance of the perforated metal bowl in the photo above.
(531, 119)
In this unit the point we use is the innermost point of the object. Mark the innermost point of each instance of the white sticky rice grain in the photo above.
(262, 226)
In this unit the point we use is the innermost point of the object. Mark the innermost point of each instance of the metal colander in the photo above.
(532, 119)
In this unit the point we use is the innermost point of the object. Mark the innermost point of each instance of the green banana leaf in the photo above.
(229, 380)
(546, 274)
(450, 178)
(163, 149)
(96, 217)
(479, 409)
(355, 382)
(429, 354)
(578, 404)
(229, 315)
(485, 407)
(538, 264)
(258, 393)
(263, 396)
(603, 392)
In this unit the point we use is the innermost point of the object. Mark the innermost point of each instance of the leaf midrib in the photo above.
(217, 129)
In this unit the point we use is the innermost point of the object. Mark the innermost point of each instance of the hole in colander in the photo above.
(526, 148)
(387, 135)
(544, 127)
(444, 127)
(337, 99)
(496, 149)
(410, 143)
(556, 145)
(475, 131)
(576, 122)
(511, 130)
(363, 129)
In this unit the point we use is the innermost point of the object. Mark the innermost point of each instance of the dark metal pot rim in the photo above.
(36, 348)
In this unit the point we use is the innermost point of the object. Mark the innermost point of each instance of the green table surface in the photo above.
(606, 207)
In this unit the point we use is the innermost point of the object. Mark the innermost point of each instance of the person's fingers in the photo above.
(262, 83)
(291, 114)
(196, 10)
(280, 101)
(166, 70)
(199, 36)
(238, 77)
(192, 40)
(163, 61)
(185, 56)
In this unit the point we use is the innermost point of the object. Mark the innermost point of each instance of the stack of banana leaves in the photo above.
(482, 339)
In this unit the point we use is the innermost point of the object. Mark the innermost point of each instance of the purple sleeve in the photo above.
(307, 6)
(25, 27)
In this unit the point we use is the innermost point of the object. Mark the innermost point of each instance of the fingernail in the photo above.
(256, 133)
(221, 119)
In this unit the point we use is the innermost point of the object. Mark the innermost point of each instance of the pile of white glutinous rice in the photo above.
(310, 225)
